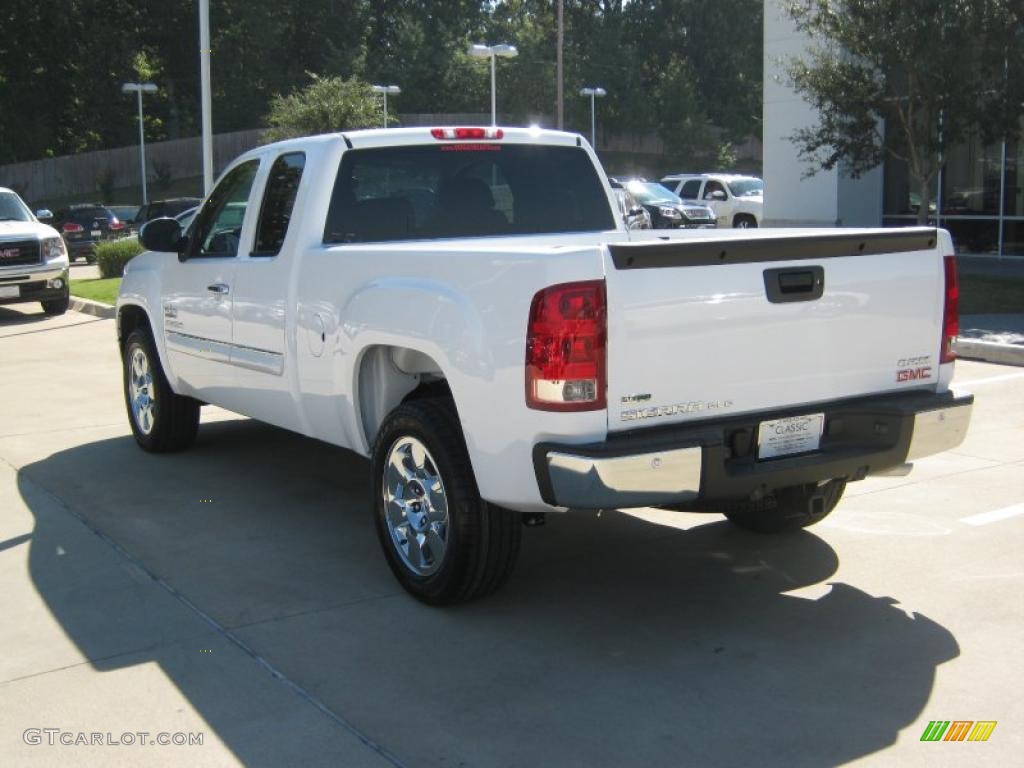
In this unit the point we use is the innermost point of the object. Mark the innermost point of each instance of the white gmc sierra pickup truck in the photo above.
(465, 307)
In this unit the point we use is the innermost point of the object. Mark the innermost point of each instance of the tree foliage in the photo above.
(689, 70)
(905, 79)
(325, 105)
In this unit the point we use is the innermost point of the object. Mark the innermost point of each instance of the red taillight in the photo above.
(950, 312)
(466, 134)
(70, 226)
(565, 348)
(115, 224)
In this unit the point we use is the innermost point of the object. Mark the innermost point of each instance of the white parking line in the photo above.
(994, 516)
(991, 379)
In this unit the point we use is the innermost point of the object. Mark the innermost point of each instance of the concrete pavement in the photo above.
(237, 590)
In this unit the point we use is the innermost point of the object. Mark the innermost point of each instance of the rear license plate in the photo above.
(783, 437)
(96, 233)
(9, 291)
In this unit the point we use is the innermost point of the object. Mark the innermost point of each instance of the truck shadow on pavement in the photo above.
(10, 317)
(615, 643)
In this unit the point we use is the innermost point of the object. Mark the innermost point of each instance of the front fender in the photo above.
(141, 287)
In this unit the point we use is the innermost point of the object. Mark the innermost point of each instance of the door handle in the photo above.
(220, 288)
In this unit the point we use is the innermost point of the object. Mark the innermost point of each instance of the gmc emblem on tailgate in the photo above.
(10, 253)
(912, 374)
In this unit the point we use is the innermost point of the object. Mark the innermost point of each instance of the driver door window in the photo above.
(218, 227)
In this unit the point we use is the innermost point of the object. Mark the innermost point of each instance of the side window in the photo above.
(712, 187)
(218, 225)
(278, 201)
(690, 189)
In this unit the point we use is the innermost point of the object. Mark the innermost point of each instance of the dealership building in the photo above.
(980, 192)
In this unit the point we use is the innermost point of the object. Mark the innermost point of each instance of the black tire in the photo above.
(173, 419)
(481, 540)
(57, 306)
(744, 221)
(788, 509)
(90, 257)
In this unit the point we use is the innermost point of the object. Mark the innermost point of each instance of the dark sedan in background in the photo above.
(85, 226)
(667, 210)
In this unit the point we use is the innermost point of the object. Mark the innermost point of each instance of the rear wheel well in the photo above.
(389, 376)
(437, 388)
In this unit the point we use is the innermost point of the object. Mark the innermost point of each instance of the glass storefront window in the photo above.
(1013, 238)
(1015, 178)
(974, 235)
(970, 179)
(901, 195)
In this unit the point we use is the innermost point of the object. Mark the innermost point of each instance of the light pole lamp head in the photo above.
(390, 90)
(502, 50)
(593, 92)
(143, 87)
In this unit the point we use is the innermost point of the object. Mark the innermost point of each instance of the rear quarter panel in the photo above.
(464, 304)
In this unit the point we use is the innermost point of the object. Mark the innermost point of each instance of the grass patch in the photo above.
(103, 289)
(991, 294)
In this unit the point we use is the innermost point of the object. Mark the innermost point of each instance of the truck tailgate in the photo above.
(719, 327)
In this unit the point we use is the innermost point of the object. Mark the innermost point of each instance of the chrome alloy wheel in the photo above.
(415, 506)
(141, 391)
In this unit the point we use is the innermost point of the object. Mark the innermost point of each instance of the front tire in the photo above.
(444, 543)
(57, 306)
(744, 221)
(161, 421)
(788, 509)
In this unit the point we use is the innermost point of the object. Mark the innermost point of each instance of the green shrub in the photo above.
(114, 254)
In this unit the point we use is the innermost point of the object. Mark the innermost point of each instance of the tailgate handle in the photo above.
(788, 284)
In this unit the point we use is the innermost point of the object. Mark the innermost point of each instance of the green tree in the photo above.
(327, 104)
(922, 71)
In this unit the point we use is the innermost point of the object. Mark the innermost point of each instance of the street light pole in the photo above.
(493, 51)
(385, 90)
(559, 79)
(204, 86)
(593, 93)
(494, 90)
(139, 89)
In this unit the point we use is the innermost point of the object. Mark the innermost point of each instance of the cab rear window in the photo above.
(465, 190)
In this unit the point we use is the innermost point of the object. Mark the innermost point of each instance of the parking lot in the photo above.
(238, 590)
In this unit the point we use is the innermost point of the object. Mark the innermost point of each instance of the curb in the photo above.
(990, 351)
(94, 308)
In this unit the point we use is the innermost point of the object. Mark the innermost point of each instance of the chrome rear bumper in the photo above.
(939, 430)
(717, 460)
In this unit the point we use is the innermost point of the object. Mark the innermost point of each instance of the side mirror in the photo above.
(636, 218)
(718, 195)
(44, 214)
(161, 235)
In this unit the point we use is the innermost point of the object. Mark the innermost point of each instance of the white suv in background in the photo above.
(738, 201)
